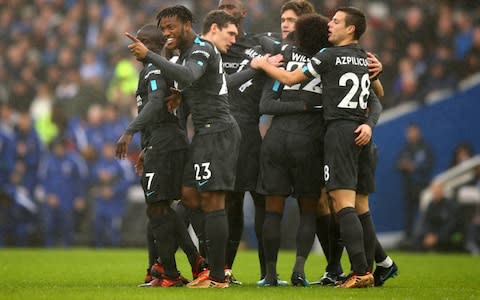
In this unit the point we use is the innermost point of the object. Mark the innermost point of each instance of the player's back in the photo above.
(163, 129)
(308, 91)
(244, 99)
(346, 82)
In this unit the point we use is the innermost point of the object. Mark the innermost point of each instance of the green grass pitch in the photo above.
(114, 274)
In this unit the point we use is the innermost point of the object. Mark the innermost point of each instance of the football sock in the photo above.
(234, 237)
(380, 254)
(235, 226)
(216, 232)
(183, 213)
(305, 238)
(197, 219)
(352, 235)
(271, 243)
(152, 251)
(322, 223)
(386, 263)
(369, 237)
(259, 202)
(335, 246)
(163, 229)
(184, 240)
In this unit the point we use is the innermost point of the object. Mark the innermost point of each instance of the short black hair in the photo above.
(312, 33)
(179, 11)
(153, 35)
(219, 17)
(356, 18)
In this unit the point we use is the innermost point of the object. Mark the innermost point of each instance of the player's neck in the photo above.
(189, 38)
(346, 42)
(241, 33)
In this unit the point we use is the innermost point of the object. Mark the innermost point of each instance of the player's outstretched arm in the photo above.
(184, 74)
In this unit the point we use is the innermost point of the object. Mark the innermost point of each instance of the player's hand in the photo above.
(276, 60)
(122, 145)
(364, 135)
(375, 67)
(137, 48)
(259, 61)
(139, 163)
(173, 101)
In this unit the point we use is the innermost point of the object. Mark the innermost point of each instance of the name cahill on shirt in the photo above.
(351, 60)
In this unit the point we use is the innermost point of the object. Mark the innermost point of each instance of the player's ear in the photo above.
(351, 29)
(187, 26)
(214, 28)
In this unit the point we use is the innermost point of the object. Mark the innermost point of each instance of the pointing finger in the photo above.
(133, 38)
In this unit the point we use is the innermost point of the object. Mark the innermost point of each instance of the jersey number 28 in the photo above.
(357, 83)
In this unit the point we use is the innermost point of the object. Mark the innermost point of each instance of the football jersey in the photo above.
(245, 98)
(158, 127)
(345, 80)
(208, 95)
(308, 91)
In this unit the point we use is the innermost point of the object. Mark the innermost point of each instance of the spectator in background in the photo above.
(471, 63)
(438, 78)
(464, 35)
(439, 222)
(472, 217)
(413, 27)
(29, 152)
(111, 178)
(7, 165)
(91, 68)
(415, 163)
(63, 175)
(462, 152)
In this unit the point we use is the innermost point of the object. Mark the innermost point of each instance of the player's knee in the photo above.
(157, 209)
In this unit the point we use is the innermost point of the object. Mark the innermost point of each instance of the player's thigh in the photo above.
(248, 159)
(341, 156)
(163, 175)
(215, 159)
(366, 171)
(306, 165)
(274, 177)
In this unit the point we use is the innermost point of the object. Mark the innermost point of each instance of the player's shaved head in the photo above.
(152, 37)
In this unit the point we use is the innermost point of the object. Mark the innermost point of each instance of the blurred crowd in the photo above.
(450, 219)
(67, 79)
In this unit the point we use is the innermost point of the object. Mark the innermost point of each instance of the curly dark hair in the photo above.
(179, 11)
(311, 33)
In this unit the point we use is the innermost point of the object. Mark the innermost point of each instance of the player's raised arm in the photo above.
(184, 74)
